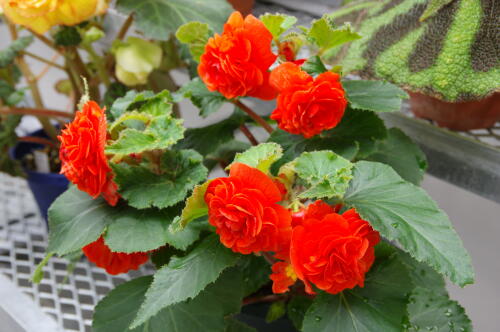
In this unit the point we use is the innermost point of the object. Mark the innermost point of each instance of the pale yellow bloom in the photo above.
(135, 60)
(41, 15)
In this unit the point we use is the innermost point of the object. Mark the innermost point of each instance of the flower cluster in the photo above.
(317, 245)
(237, 64)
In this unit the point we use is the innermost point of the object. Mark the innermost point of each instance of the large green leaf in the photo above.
(128, 102)
(158, 19)
(402, 154)
(256, 271)
(402, 212)
(261, 156)
(143, 188)
(379, 306)
(234, 325)
(326, 174)
(206, 312)
(195, 206)
(75, 220)
(429, 311)
(374, 96)
(208, 102)
(134, 230)
(8, 55)
(183, 278)
(314, 66)
(297, 308)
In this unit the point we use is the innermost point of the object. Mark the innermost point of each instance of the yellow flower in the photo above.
(135, 60)
(41, 15)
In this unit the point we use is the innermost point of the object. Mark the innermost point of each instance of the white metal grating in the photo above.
(68, 298)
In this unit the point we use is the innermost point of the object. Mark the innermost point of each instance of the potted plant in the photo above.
(439, 51)
(319, 223)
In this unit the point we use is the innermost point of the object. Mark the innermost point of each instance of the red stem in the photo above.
(244, 129)
(35, 112)
(38, 140)
(254, 116)
(265, 298)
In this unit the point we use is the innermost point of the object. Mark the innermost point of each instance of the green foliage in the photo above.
(75, 220)
(326, 174)
(183, 278)
(402, 154)
(276, 311)
(158, 19)
(144, 123)
(67, 36)
(326, 35)
(210, 139)
(195, 205)
(405, 213)
(429, 311)
(433, 7)
(8, 55)
(8, 139)
(205, 312)
(234, 325)
(278, 24)
(195, 35)
(115, 90)
(297, 308)
(379, 306)
(261, 156)
(208, 102)
(314, 66)
(160, 184)
(256, 272)
(146, 230)
(374, 95)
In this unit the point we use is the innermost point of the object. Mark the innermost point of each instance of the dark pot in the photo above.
(245, 7)
(255, 316)
(46, 187)
(457, 116)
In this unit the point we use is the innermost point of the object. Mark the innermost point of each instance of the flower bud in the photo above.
(135, 60)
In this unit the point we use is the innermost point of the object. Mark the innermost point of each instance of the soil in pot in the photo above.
(243, 6)
(457, 116)
(45, 186)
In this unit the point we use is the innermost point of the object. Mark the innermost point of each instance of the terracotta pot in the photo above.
(243, 6)
(457, 116)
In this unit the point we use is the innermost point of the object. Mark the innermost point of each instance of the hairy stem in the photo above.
(244, 129)
(264, 298)
(35, 112)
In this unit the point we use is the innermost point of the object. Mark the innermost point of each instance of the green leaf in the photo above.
(297, 308)
(278, 24)
(195, 35)
(234, 325)
(314, 66)
(402, 154)
(433, 7)
(180, 171)
(326, 35)
(326, 173)
(134, 230)
(379, 306)
(256, 271)
(183, 278)
(374, 96)
(158, 19)
(429, 311)
(422, 275)
(67, 36)
(261, 156)
(8, 55)
(225, 153)
(402, 212)
(131, 99)
(195, 205)
(75, 220)
(208, 102)
(276, 311)
(206, 312)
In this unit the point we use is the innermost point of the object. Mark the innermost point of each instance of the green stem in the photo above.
(100, 65)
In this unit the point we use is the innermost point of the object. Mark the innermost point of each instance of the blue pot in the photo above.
(46, 187)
